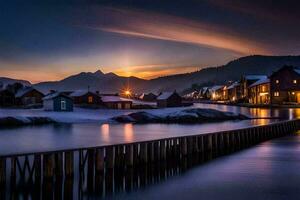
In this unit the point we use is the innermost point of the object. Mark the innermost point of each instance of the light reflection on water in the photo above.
(268, 171)
(55, 137)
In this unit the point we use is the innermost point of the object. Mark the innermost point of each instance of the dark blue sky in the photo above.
(53, 39)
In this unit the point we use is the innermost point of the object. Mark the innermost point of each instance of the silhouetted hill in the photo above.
(5, 81)
(233, 70)
(105, 83)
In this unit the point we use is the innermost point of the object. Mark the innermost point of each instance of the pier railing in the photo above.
(96, 161)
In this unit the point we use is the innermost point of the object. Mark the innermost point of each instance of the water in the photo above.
(269, 170)
(76, 135)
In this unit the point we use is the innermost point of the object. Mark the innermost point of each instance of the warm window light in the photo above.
(90, 99)
(293, 93)
(276, 94)
(294, 81)
(263, 93)
(277, 81)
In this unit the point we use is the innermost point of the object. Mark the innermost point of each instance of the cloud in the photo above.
(146, 24)
(155, 70)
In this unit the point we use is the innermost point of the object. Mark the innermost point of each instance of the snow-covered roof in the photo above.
(233, 85)
(216, 87)
(54, 95)
(23, 91)
(79, 93)
(255, 77)
(261, 81)
(297, 70)
(114, 99)
(164, 95)
(145, 95)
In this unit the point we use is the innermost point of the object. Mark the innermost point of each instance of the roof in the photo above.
(79, 93)
(255, 77)
(233, 85)
(23, 91)
(147, 95)
(54, 95)
(114, 99)
(297, 70)
(164, 95)
(216, 87)
(261, 81)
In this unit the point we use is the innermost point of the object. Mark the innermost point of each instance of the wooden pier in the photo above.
(99, 162)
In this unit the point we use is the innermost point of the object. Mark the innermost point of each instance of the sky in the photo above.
(51, 39)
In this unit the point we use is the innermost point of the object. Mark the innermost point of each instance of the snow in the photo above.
(297, 70)
(82, 115)
(261, 81)
(23, 91)
(233, 85)
(53, 95)
(114, 99)
(216, 87)
(164, 95)
(79, 93)
(190, 115)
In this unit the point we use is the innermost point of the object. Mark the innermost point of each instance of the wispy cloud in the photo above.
(144, 24)
(155, 70)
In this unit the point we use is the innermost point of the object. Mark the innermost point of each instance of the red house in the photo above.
(85, 97)
(285, 85)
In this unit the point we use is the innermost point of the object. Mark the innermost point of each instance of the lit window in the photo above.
(276, 94)
(277, 81)
(90, 99)
(294, 81)
(293, 93)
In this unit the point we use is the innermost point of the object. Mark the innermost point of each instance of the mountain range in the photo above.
(110, 82)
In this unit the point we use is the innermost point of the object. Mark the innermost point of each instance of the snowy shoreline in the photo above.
(186, 116)
(82, 115)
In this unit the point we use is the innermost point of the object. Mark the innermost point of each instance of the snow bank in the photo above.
(195, 115)
(22, 121)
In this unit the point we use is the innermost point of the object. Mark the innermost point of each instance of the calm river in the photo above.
(269, 170)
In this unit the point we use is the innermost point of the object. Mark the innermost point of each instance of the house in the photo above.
(169, 99)
(285, 85)
(259, 92)
(233, 92)
(7, 98)
(217, 92)
(248, 80)
(29, 96)
(86, 97)
(148, 97)
(205, 93)
(116, 102)
(58, 102)
(192, 95)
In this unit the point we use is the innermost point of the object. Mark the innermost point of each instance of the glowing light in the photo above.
(128, 132)
(127, 93)
(105, 132)
(263, 93)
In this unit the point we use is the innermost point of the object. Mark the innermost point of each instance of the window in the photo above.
(63, 105)
(90, 99)
(294, 81)
(293, 93)
(276, 94)
(277, 81)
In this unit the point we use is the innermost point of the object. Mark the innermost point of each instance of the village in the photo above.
(17, 96)
(280, 88)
